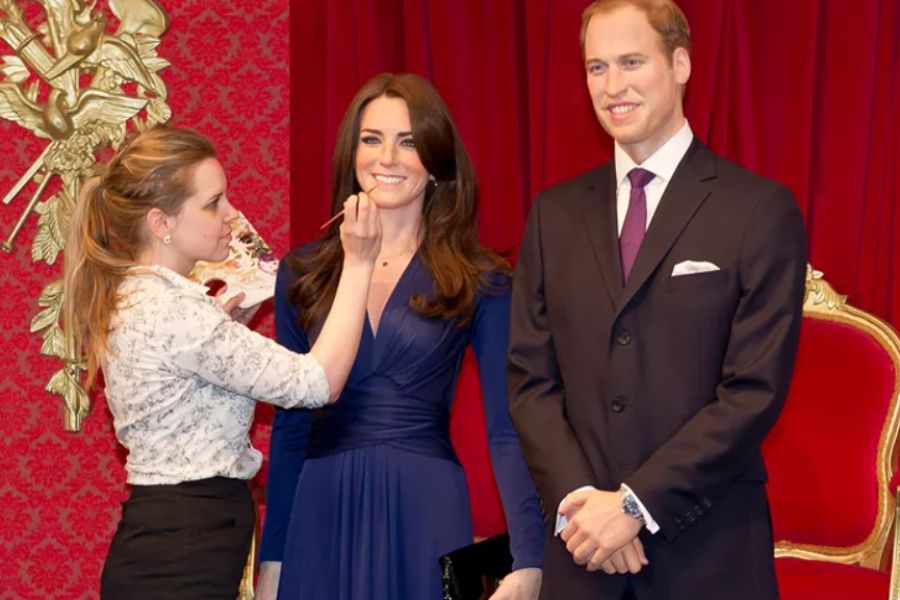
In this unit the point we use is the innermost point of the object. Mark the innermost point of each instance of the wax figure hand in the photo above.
(521, 584)
(630, 559)
(597, 528)
(267, 584)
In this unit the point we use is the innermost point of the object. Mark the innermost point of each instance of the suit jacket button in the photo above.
(624, 338)
(617, 405)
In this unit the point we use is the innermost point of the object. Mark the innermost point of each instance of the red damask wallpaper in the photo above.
(60, 492)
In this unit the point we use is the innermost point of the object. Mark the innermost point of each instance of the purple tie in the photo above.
(635, 219)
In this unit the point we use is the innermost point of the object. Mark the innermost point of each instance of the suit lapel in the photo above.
(689, 188)
(599, 209)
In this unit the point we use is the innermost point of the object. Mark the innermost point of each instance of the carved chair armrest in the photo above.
(895, 557)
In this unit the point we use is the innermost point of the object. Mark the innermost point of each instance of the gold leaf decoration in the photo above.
(158, 111)
(156, 64)
(14, 69)
(51, 293)
(31, 91)
(67, 383)
(44, 319)
(49, 239)
(54, 343)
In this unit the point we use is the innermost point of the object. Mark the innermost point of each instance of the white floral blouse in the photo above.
(181, 378)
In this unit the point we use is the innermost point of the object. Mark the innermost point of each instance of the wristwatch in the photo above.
(630, 507)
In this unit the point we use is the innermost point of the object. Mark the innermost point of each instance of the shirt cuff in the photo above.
(649, 522)
(561, 520)
(319, 388)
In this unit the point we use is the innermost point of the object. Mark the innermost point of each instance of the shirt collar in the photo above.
(661, 163)
(176, 279)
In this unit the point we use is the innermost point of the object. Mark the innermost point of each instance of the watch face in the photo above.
(631, 508)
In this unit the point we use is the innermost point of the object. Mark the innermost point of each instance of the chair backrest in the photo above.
(831, 454)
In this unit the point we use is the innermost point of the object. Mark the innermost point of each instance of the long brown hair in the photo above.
(107, 230)
(450, 249)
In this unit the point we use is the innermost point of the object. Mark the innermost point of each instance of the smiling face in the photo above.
(202, 228)
(635, 88)
(386, 155)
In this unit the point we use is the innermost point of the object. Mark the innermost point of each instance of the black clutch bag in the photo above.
(475, 571)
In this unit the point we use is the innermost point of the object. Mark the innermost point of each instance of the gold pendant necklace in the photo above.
(385, 261)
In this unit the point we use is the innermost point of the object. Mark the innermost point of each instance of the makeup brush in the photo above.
(340, 214)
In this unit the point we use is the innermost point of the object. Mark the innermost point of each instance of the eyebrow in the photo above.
(376, 131)
(619, 58)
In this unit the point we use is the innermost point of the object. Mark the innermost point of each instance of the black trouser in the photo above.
(188, 540)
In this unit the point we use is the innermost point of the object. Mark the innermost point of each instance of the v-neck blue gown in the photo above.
(380, 494)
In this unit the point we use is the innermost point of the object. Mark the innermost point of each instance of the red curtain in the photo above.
(805, 92)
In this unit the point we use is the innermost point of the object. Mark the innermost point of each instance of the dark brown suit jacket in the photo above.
(668, 384)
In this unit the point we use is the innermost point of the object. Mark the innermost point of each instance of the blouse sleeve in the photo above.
(490, 338)
(203, 341)
(290, 433)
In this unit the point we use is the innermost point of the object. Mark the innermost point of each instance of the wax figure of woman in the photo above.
(380, 494)
(180, 375)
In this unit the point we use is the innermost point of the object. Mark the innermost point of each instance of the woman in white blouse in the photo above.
(181, 376)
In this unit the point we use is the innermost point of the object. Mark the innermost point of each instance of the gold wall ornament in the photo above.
(94, 82)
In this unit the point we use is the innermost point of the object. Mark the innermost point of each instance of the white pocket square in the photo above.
(692, 267)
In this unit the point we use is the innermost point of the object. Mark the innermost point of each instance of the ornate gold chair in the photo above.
(831, 455)
(247, 591)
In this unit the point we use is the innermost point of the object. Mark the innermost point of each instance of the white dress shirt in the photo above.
(662, 164)
(181, 377)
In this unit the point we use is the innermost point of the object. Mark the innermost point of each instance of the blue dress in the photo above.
(380, 493)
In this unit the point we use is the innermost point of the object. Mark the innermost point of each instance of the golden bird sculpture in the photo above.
(67, 81)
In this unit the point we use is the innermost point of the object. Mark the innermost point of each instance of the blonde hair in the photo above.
(664, 17)
(107, 230)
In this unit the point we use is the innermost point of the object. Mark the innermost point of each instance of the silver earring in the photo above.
(167, 239)
(433, 180)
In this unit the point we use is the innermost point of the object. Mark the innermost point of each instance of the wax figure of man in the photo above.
(655, 316)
